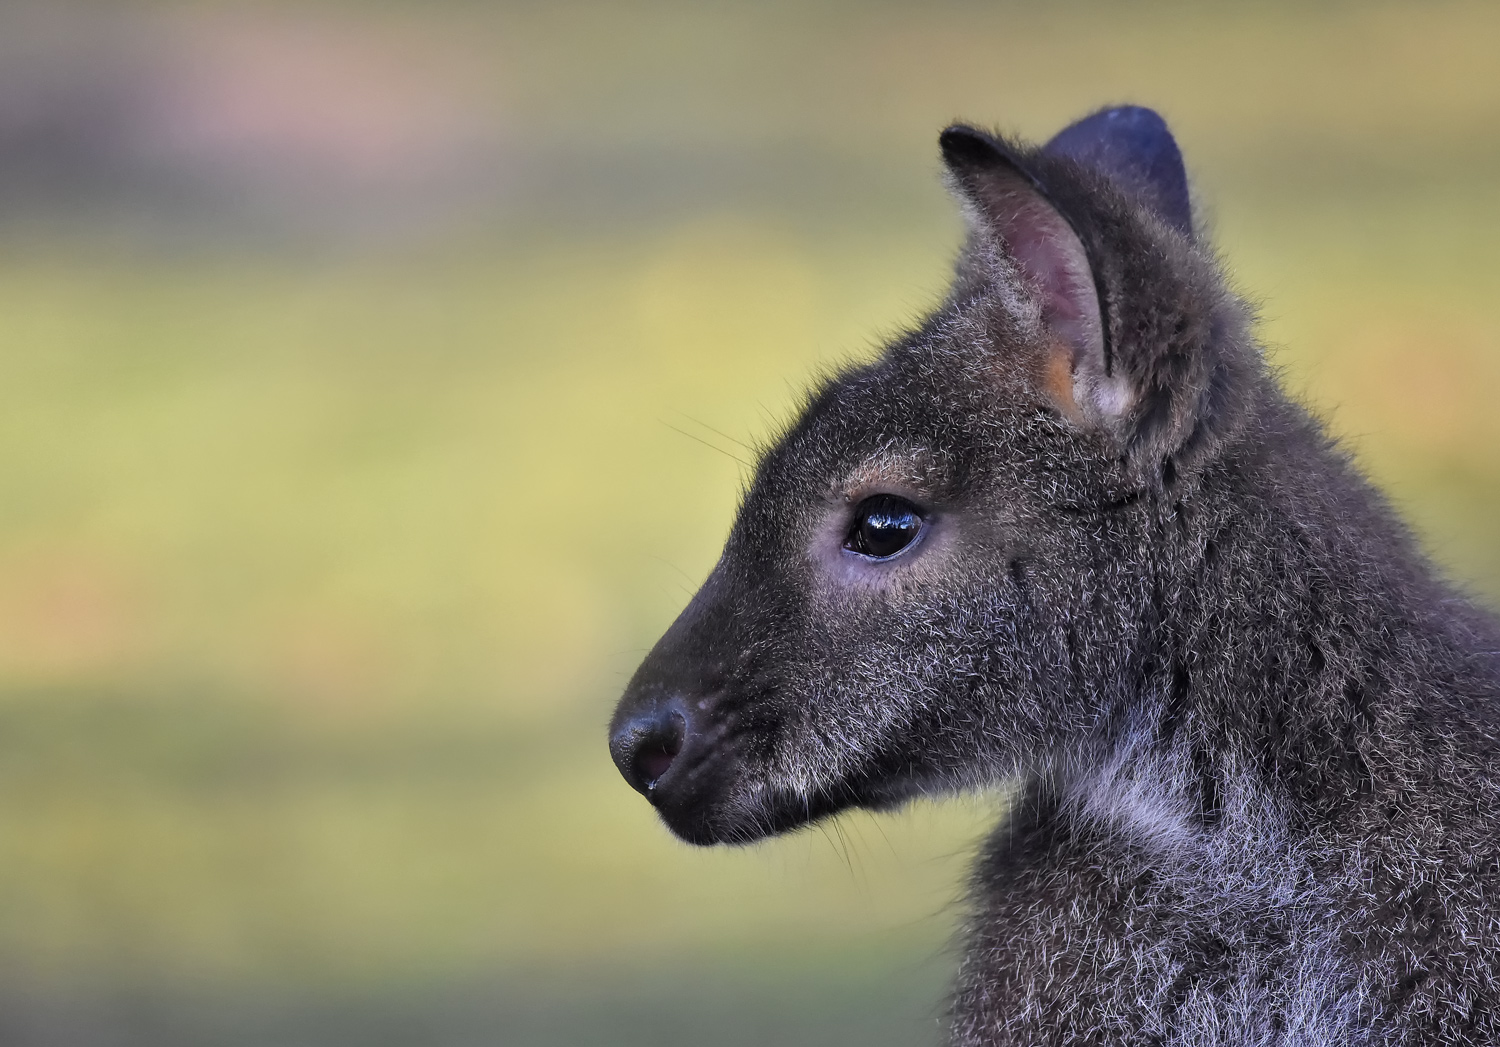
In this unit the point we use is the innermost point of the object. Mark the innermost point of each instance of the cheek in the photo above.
(1069, 572)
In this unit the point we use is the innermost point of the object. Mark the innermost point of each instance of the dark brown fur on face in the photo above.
(1070, 533)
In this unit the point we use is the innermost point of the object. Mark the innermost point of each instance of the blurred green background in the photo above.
(373, 379)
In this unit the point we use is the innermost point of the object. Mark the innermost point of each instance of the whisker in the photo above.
(719, 432)
(685, 576)
(705, 443)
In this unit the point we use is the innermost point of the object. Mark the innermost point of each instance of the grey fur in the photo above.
(1254, 733)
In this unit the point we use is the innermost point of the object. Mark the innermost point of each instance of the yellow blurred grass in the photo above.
(449, 496)
(320, 577)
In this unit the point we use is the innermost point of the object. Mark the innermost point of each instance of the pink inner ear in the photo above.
(1007, 203)
(1056, 266)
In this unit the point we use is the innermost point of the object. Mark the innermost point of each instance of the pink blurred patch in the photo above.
(338, 100)
(67, 613)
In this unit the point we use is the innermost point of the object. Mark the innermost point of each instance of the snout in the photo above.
(646, 743)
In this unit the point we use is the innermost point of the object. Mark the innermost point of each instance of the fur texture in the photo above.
(1255, 735)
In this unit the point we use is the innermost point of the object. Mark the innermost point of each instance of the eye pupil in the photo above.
(883, 526)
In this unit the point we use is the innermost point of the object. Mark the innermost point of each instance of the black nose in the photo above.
(646, 745)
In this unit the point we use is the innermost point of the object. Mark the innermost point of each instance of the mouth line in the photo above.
(711, 794)
(740, 817)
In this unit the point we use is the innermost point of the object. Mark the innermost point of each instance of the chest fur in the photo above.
(1089, 930)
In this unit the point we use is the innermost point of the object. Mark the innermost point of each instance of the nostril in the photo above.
(659, 748)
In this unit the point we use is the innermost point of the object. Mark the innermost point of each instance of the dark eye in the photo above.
(883, 526)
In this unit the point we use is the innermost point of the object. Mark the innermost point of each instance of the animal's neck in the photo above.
(1302, 655)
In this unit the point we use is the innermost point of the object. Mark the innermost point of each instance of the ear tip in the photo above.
(968, 150)
(1133, 144)
(1132, 128)
(963, 145)
(1139, 118)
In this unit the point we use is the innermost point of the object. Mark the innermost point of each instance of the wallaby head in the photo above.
(950, 567)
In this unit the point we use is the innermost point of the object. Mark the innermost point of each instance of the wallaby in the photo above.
(1070, 533)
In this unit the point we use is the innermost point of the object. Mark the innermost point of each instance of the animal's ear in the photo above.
(1132, 147)
(1008, 206)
